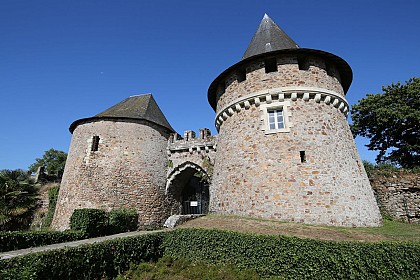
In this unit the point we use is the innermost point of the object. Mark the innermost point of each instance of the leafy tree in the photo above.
(53, 161)
(392, 122)
(17, 199)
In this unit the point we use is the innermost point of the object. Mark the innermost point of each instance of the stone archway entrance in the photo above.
(188, 190)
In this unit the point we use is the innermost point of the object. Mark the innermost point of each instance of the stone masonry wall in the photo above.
(398, 195)
(264, 176)
(128, 170)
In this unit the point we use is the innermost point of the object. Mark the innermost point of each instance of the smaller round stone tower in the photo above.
(117, 159)
(285, 150)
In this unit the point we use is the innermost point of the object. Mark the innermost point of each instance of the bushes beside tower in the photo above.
(97, 222)
(92, 221)
(122, 220)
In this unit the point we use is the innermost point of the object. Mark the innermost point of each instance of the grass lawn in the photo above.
(390, 231)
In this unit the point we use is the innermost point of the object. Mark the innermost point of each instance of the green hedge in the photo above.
(97, 222)
(296, 258)
(122, 220)
(15, 240)
(95, 261)
(93, 222)
(285, 257)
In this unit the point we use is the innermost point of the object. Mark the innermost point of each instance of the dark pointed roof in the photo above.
(137, 107)
(269, 37)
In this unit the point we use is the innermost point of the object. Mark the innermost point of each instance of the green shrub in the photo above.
(52, 201)
(122, 220)
(15, 240)
(296, 258)
(92, 221)
(94, 261)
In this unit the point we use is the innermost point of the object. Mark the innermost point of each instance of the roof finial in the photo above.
(269, 33)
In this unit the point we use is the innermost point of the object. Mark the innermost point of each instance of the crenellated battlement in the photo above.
(204, 142)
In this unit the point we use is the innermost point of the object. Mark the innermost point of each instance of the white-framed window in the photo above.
(275, 117)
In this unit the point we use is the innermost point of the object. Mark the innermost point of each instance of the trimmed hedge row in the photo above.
(285, 257)
(97, 222)
(15, 240)
(95, 261)
(85, 223)
(296, 258)
(122, 220)
(91, 221)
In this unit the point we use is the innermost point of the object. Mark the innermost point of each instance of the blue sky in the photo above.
(65, 60)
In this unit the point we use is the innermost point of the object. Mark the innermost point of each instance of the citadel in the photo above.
(284, 149)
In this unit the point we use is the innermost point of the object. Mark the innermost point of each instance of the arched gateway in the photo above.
(187, 189)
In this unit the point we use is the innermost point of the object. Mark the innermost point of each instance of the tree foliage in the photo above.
(392, 122)
(17, 199)
(53, 161)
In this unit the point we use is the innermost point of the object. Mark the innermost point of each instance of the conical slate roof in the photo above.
(141, 107)
(269, 37)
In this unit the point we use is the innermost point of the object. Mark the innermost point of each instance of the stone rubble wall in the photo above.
(398, 195)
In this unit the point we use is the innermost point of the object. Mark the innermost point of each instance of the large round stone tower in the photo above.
(285, 150)
(117, 159)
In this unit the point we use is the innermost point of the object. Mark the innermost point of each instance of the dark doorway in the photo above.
(188, 190)
(195, 196)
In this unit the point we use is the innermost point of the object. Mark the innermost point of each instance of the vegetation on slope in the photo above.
(168, 268)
